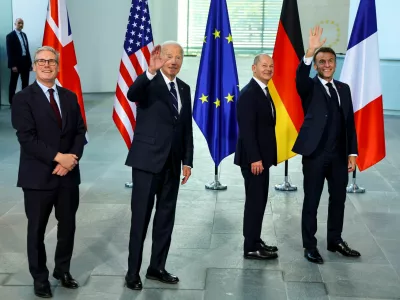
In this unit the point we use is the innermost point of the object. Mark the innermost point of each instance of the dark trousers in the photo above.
(333, 167)
(38, 206)
(14, 80)
(146, 186)
(256, 188)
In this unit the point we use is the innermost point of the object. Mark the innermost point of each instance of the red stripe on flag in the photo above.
(146, 53)
(370, 134)
(121, 128)
(125, 75)
(136, 64)
(125, 106)
(54, 11)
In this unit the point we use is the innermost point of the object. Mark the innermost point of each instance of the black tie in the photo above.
(175, 100)
(55, 107)
(332, 91)
(270, 101)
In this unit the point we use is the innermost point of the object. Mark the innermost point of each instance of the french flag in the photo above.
(361, 72)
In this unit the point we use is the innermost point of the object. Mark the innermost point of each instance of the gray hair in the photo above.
(47, 48)
(258, 57)
(172, 43)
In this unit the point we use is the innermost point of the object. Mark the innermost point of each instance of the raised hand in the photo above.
(157, 61)
(314, 39)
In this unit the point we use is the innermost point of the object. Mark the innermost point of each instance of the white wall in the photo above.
(388, 26)
(98, 28)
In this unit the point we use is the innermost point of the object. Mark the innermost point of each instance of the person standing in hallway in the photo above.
(51, 133)
(328, 143)
(255, 153)
(19, 57)
(162, 148)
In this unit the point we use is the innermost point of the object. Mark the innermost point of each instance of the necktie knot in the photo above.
(51, 91)
(329, 85)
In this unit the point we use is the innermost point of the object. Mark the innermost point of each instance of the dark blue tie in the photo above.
(175, 99)
(334, 96)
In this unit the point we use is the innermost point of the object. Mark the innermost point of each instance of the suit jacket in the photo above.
(157, 133)
(314, 100)
(14, 52)
(41, 138)
(256, 123)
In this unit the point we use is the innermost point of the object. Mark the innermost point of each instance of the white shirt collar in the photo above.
(167, 80)
(324, 82)
(45, 88)
(261, 84)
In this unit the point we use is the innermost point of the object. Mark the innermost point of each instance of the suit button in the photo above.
(326, 116)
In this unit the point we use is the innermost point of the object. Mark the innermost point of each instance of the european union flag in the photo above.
(217, 89)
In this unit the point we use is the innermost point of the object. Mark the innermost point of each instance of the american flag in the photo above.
(138, 45)
(58, 34)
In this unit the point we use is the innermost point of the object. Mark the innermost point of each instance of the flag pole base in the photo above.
(286, 186)
(129, 184)
(354, 188)
(216, 185)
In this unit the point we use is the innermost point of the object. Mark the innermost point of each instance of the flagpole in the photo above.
(353, 187)
(286, 186)
(216, 185)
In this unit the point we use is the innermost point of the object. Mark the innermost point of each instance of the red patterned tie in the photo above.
(54, 106)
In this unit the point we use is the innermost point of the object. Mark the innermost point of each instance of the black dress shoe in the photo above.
(313, 256)
(133, 282)
(260, 254)
(268, 248)
(66, 280)
(161, 275)
(42, 289)
(344, 249)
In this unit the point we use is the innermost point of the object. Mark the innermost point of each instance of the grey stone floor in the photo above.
(206, 251)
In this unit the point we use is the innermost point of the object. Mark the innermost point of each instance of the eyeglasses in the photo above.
(42, 62)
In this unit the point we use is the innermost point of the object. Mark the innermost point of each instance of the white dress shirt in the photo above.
(46, 92)
(167, 81)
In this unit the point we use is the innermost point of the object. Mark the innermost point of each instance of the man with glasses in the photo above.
(19, 57)
(51, 133)
(328, 143)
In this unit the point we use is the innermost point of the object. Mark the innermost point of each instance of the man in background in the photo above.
(19, 58)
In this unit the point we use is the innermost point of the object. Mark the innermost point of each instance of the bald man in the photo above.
(19, 57)
(256, 153)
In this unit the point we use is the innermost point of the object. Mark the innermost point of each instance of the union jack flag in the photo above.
(138, 45)
(57, 34)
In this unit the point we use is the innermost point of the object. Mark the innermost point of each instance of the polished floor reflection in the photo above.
(206, 251)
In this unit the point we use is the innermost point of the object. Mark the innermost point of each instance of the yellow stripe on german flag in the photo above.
(288, 52)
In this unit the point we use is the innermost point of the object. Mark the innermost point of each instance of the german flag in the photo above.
(287, 54)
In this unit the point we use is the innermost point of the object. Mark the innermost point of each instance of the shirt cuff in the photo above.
(353, 155)
(187, 166)
(149, 75)
(308, 60)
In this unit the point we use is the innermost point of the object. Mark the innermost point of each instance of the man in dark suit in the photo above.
(51, 133)
(163, 141)
(328, 143)
(256, 153)
(19, 58)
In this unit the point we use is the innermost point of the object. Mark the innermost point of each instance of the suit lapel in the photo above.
(164, 90)
(343, 97)
(322, 88)
(181, 95)
(43, 101)
(63, 107)
(265, 99)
